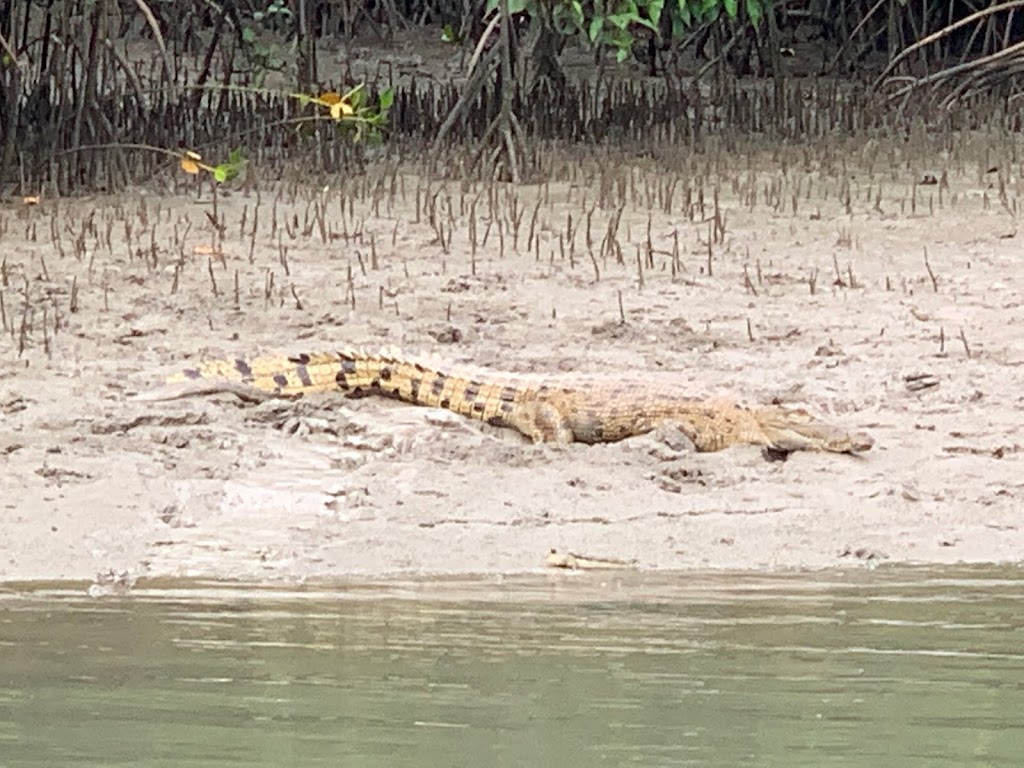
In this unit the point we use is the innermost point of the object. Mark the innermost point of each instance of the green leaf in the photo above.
(248, 35)
(357, 96)
(516, 6)
(730, 8)
(654, 9)
(709, 10)
(220, 173)
(567, 19)
(596, 25)
(621, 55)
(684, 12)
(620, 20)
(754, 11)
(387, 98)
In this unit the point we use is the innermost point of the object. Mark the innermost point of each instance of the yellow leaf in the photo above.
(330, 98)
(341, 109)
(31, 199)
(188, 165)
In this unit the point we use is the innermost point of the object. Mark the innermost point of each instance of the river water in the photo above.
(891, 667)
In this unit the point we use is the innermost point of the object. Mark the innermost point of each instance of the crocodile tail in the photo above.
(478, 394)
(279, 375)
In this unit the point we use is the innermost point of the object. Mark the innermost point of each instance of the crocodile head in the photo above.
(794, 429)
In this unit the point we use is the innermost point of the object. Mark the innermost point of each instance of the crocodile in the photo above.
(562, 408)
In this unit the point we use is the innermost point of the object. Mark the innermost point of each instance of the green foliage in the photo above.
(230, 169)
(278, 14)
(756, 9)
(192, 163)
(262, 39)
(449, 35)
(266, 56)
(616, 23)
(354, 112)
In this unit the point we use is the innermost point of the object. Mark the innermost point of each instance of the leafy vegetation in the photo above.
(353, 111)
(192, 163)
(74, 101)
(617, 24)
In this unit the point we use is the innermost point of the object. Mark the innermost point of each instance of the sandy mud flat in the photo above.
(882, 305)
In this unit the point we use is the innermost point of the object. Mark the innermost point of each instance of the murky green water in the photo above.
(889, 668)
